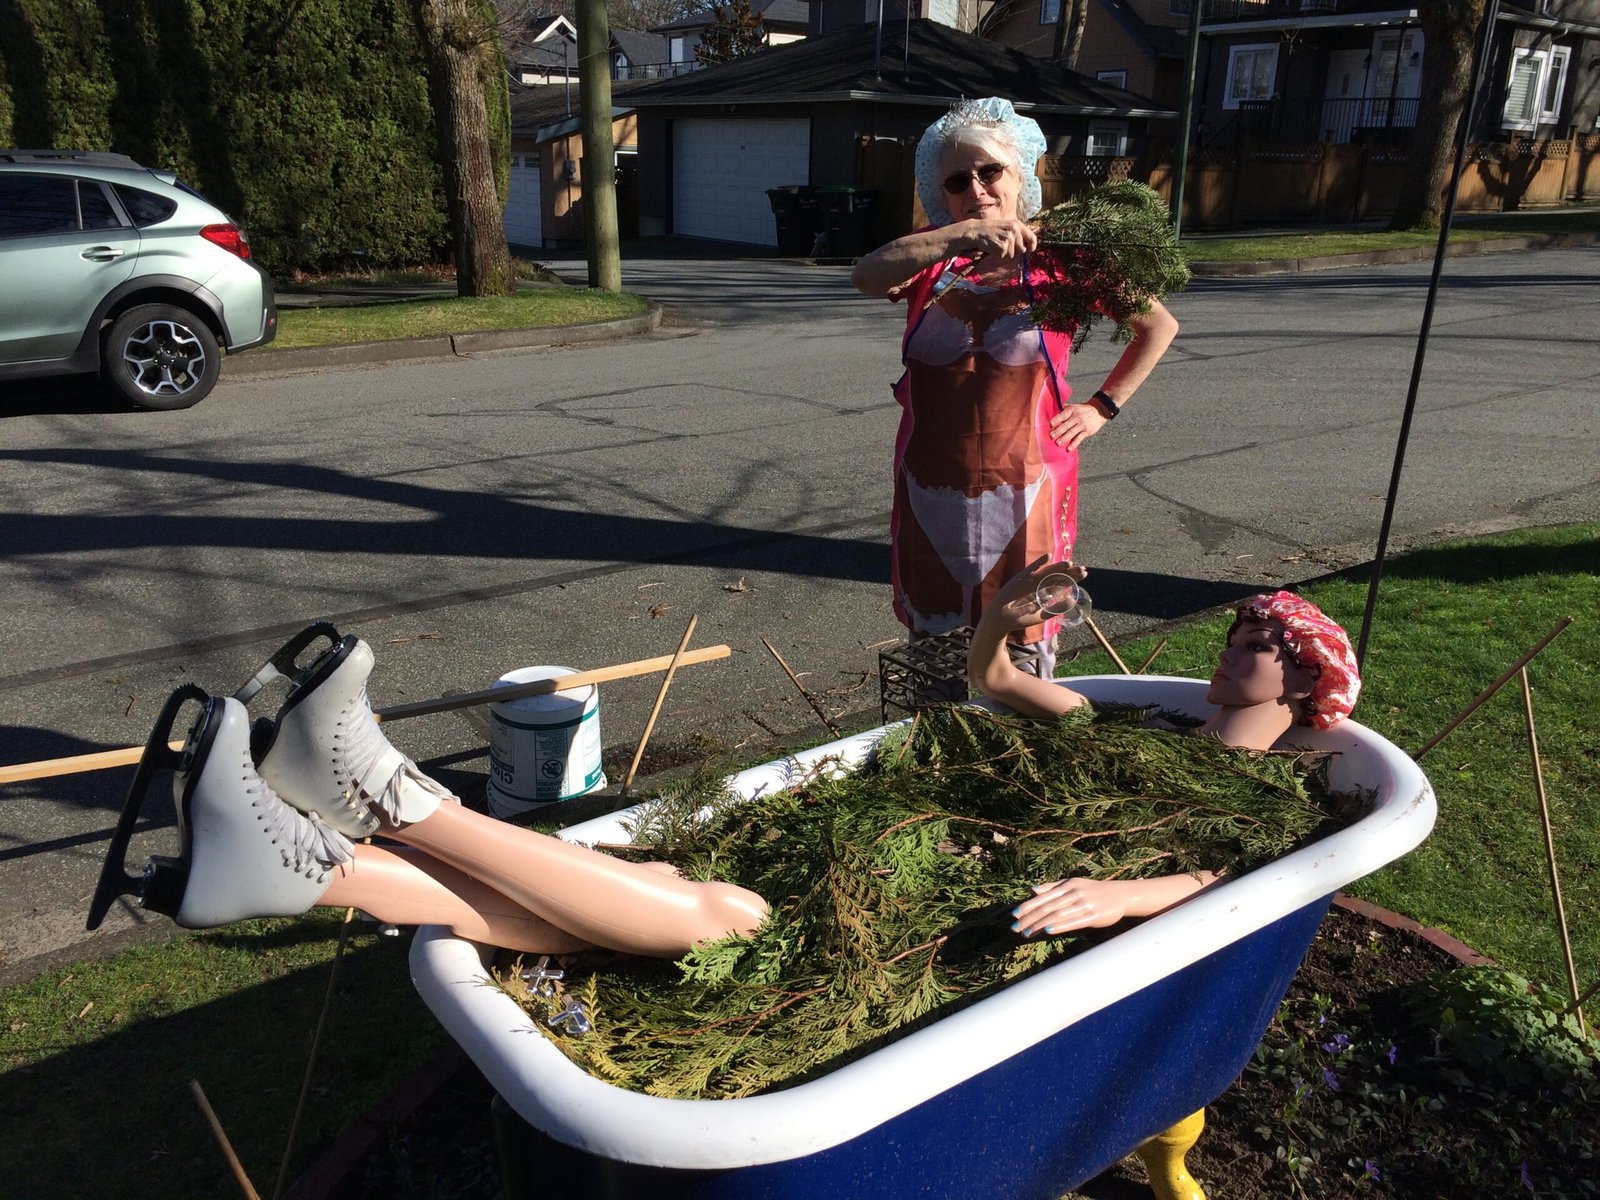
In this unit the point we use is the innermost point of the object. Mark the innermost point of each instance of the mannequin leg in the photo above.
(408, 888)
(619, 905)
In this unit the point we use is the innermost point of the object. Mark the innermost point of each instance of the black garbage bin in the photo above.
(795, 207)
(847, 217)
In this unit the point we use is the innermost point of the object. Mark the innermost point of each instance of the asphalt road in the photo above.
(574, 505)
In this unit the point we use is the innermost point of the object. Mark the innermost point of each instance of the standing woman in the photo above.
(986, 459)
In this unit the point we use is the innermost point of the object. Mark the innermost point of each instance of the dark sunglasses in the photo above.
(962, 180)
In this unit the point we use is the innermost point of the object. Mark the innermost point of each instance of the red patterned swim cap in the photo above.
(1317, 644)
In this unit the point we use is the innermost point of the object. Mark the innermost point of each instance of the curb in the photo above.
(460, 345)
(1294, 266)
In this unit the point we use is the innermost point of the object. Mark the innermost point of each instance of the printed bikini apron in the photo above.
(980, 487)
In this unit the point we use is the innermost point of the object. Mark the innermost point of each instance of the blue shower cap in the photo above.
(995, 118)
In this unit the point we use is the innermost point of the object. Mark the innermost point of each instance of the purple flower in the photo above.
(1329, 1078)
(1372, 1169)
(1392, 1053)
(1527, 1176)
(1339, 1044)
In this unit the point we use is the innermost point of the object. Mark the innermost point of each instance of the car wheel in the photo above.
(161, 357)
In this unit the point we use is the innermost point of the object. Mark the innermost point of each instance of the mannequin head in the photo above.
(1282, 648)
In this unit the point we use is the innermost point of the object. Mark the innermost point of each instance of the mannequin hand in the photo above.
(1016, 605)
(1001, 237)
(1075, 423)
(1070, 904)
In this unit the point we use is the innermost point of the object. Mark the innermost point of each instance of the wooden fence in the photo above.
(1267, 183)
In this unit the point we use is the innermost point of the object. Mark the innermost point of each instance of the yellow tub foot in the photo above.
(1163, 1158)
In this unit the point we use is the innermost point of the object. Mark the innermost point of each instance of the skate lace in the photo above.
(304, 837)
(365, 746)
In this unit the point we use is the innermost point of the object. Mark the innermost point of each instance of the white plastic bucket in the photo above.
(543, 748)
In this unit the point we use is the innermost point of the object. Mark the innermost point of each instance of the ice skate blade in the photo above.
(285, 661)
(115, 881)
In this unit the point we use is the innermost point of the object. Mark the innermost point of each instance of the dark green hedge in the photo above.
(307, 120)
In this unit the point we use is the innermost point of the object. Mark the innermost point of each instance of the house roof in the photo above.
(640, 47)
(943, 66)
(1157, 41)
(535, 110)
(776, 12)
(546, 53)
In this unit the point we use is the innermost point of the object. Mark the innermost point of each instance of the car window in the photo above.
(95, 206)
(145, 208)
(32, 204)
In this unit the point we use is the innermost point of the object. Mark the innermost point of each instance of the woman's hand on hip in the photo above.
(997, 237)
(1075, 423)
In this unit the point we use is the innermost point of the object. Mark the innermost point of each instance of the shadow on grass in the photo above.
(1483, 561)
(116, 1117)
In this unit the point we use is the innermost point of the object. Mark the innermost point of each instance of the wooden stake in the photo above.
(1095, 629)
(544, 687)
(1560, 628)
(222, 1141)
(316, 1046)
(655, 711)
(795, 679)
(1549, 843)
(1145, 665)
(128, 755)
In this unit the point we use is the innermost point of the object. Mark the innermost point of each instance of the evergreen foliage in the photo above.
(309, 121)
(1109, 252)
(735, 33)
(892, 887)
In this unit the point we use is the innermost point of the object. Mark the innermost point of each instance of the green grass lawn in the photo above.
(532, 308)
(98, 1057)
(1356, 241)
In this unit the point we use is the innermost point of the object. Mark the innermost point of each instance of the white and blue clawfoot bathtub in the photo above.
(1021, 1096)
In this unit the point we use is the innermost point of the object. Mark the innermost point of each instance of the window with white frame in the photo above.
(1114, 78)
(1534, 88)
(676, 49)
(1049, 11)
(1252, 74)
(1107, 139)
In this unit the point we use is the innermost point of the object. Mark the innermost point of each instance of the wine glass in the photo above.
(1061, 596)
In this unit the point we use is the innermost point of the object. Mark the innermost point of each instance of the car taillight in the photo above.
(230, 237)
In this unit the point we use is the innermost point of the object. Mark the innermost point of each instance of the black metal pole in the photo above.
(1180, 169)
(1468, 117)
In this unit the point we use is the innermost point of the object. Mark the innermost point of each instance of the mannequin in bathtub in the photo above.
(1284, 664)
(268, 828)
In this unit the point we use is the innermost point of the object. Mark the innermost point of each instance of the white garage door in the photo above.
(721, 171)
(522, 202)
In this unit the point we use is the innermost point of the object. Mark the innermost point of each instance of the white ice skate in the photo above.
(327, 756)
(245, 853)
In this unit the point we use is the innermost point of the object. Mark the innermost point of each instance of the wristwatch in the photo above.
(1107, 405)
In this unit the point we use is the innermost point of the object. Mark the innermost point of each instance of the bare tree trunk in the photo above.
(1070, 21)
(1448, 28)
(454, 42)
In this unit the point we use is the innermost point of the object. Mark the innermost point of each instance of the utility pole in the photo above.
(1180, 170)
(599, 170)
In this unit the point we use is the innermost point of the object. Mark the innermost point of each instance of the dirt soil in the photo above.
(443, 1149)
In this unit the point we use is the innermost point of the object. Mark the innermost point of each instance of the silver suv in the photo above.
(108, 266)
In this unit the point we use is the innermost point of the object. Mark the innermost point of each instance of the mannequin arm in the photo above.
(1071, 904)
(989, 666)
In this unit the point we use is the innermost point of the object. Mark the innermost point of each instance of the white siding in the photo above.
(523, 207)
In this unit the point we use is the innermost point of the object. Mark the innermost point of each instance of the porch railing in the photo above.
(1373, 119)
(654, 70)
